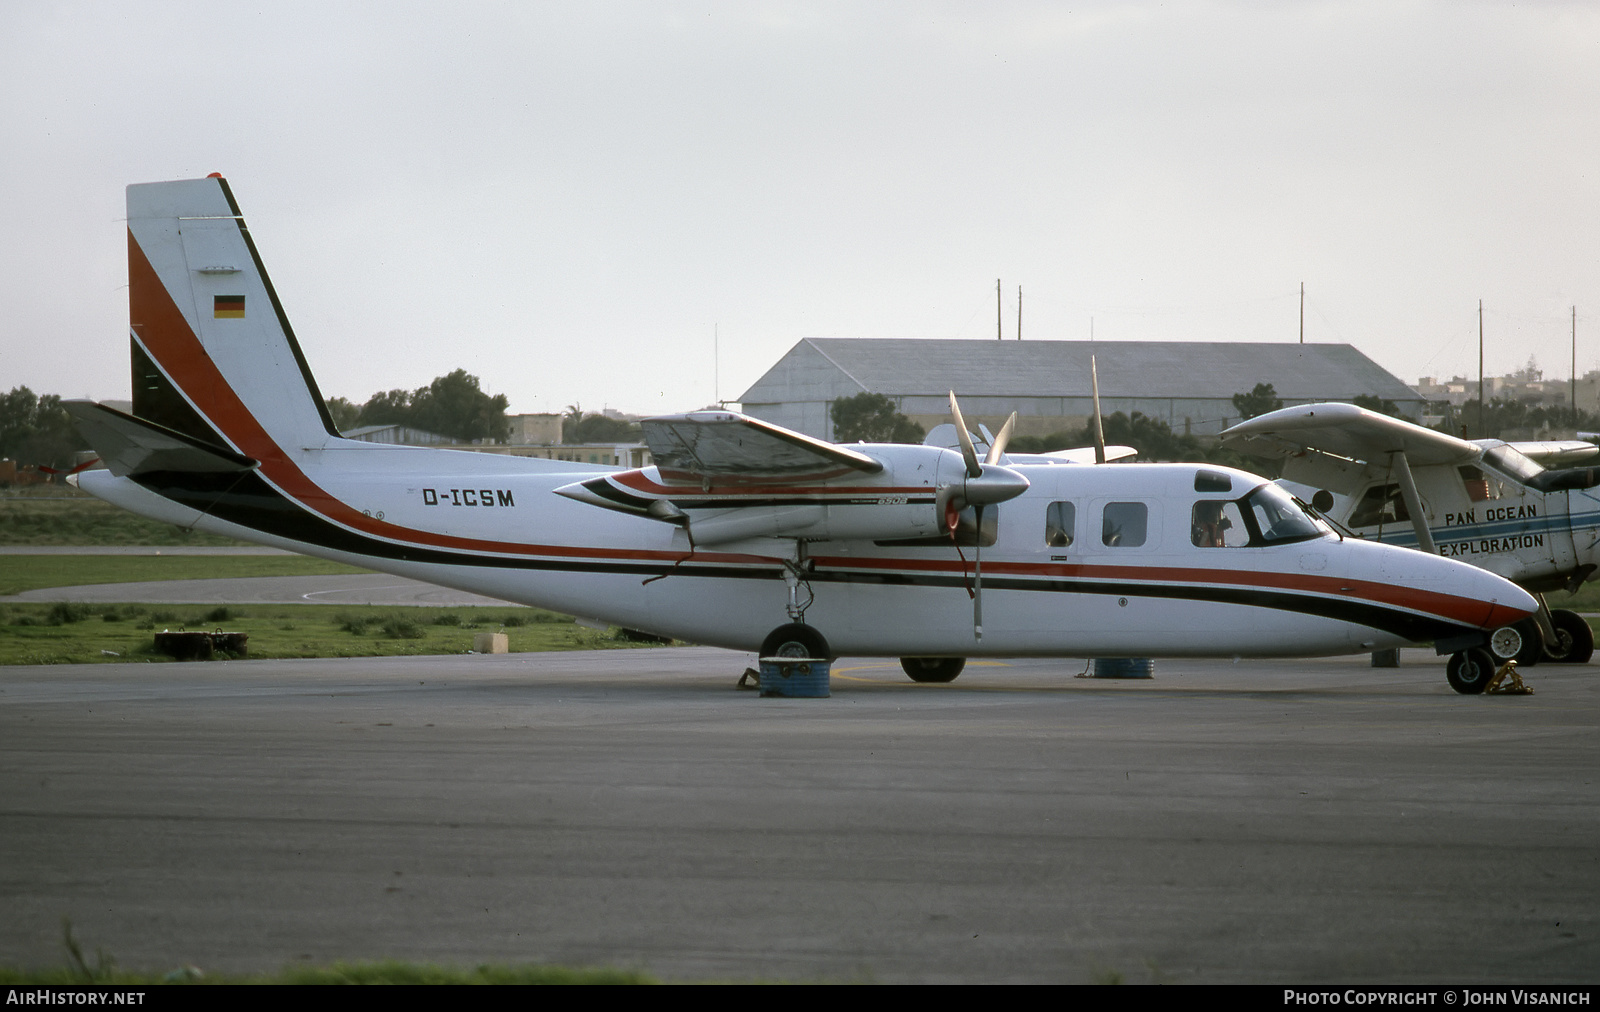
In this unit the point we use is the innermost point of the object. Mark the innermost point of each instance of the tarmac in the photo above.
(1299, 822)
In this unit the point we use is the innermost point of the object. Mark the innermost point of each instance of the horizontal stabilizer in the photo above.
(133, 446)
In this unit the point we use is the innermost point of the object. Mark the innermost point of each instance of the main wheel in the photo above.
(796, 640)
(1521, 642)
(933, 669)
(1574, 639)
(1469, 671)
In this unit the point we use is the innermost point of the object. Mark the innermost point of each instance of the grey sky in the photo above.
(567, 198)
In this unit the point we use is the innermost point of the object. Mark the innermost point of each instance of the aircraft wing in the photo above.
(1078, 455)
(1555, 453)
(1346, 430)
(727, 444)
(130, 445)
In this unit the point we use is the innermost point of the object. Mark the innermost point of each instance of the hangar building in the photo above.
(1189, 385)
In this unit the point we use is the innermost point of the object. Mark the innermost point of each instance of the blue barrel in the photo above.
(1124, 667)
(795, 677)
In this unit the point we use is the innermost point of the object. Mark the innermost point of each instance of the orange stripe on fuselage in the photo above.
(172, 343)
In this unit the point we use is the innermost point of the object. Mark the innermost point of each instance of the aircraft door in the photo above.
(1515, 531)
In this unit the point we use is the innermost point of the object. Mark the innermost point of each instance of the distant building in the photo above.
(1527, 384)
(537, 429)
(1188, 385)
(520, 445)
(401, 434)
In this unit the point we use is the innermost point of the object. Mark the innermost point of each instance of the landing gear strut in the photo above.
(797, 639)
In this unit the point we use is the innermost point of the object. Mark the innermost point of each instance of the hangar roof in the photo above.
(1164, 369)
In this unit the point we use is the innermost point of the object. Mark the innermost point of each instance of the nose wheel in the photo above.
(1470, 671)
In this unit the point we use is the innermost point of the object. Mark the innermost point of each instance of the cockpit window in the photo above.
(1513, 462)
(1277, 519)
(1217, 523)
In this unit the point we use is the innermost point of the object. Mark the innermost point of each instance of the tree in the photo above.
(1257, 402)
(1372, 402)
(451, 405)
(872, 418)
(598, 429)
(344, 414)
(37, 430)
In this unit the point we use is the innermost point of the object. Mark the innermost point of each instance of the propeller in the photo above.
(985, 483)
(1099, 427)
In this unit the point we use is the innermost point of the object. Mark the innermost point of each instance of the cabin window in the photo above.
(1217, 523)
(1477, 484)
(1380, 504)
(1124, 524)
(1212, 481)
(1060, 520)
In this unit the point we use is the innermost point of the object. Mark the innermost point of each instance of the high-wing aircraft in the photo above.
(742, 534)
(1518, 510)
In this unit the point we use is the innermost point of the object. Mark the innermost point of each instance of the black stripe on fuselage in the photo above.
(249, 501)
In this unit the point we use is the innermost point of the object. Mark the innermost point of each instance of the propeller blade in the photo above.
(997, 446)
(977, 577)
(1099, 427)
(969, 453)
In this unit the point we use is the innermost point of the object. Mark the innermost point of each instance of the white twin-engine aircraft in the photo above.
(1519, 510)
(869, 549)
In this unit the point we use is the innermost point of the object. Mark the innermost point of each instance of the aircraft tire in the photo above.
(796, 639)
(933, 669)
(1521, 642)
(1574, 639)
(1469, 671)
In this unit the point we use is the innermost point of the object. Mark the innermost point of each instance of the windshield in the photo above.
(1513, 462)
(1277, 519)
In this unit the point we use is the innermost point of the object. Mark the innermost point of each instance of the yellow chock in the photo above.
(1514, 688)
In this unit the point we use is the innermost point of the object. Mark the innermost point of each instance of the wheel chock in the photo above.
(1514, 688)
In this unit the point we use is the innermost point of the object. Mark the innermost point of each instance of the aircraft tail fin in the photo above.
(213, 356)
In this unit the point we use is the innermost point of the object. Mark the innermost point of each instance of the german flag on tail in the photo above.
(228, 307)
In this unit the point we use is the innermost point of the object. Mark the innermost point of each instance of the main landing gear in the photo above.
(933, 669)
(1521, 642)
(798, 640)
(1574, 640)
(1559, 637)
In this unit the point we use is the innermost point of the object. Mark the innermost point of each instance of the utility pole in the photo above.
(1574, 365)
(998, 336)
(1019, 312)
(1481, 433)
(1302, 312)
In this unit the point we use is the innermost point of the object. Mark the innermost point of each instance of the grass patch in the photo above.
(384, 972)
(114, 633)
(66, 516)
(39, 572)
(103, 971)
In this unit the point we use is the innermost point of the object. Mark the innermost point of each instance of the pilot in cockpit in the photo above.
(1208, 524)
